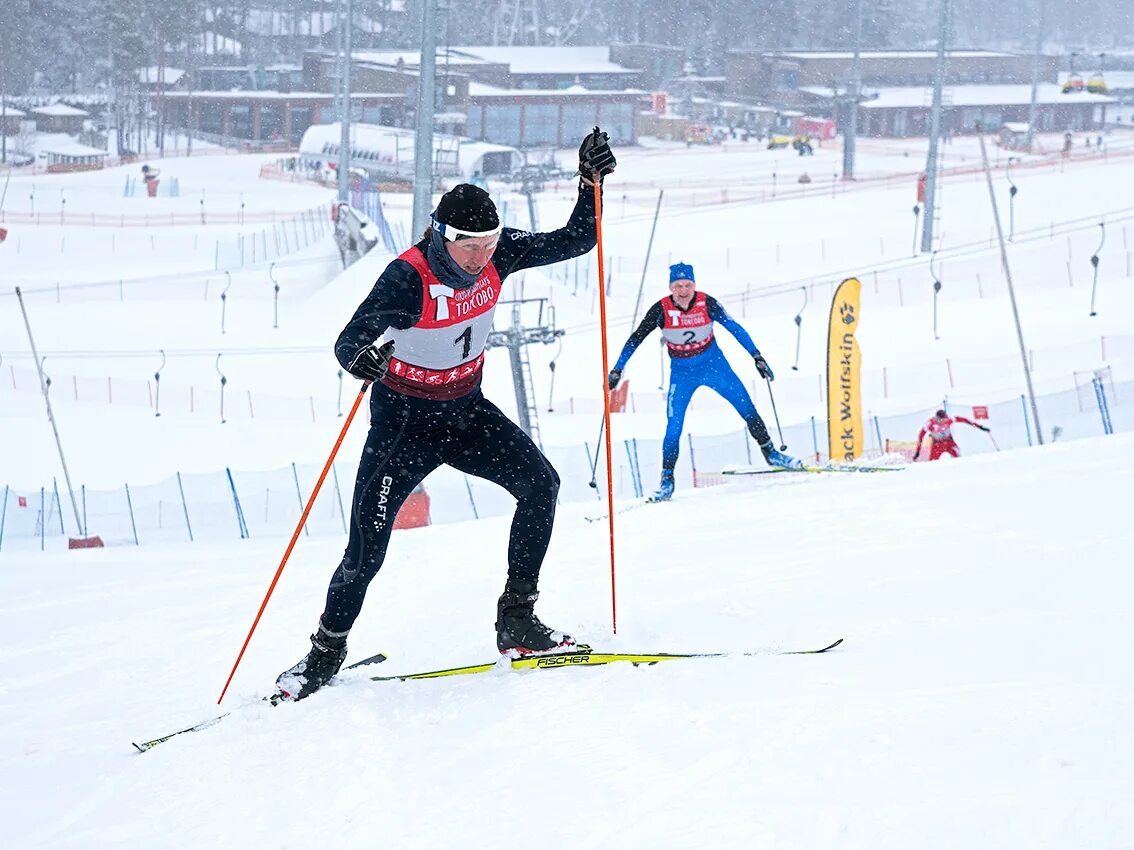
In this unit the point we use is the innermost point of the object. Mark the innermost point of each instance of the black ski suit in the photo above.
(420, 420)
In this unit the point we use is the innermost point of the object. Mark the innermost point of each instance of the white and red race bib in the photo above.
(686, 332)
(441, 356)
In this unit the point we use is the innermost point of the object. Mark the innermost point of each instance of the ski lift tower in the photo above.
(516, 339)
(931, 166)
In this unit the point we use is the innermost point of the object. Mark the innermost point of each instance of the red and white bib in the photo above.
(686, 332)
(440, 357)
(939, 429)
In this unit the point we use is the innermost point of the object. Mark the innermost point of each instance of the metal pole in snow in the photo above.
(1011, 288)
(51, 416)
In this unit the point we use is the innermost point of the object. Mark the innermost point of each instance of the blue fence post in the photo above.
(83, 493)
(815, 438)
(472, 501)
(747, 445)
(130, 505)
(42, 519)
(299, 495)
(185, 507)
(633, 477)
(1104, 409)
(236, 501)
(339, 496)
(1027, 422)
(638, 467)
(632, 451)
(878, 433)
(693, 460)
(3, 514)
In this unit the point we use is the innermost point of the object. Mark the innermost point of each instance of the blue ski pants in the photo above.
(708, 369)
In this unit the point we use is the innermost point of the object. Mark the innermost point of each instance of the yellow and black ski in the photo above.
(145, 746)
(584, 656)
(581, 656)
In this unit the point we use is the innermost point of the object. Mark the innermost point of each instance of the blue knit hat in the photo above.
(680, 271)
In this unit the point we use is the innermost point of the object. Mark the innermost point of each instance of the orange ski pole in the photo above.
(605, 397)
(295, 536)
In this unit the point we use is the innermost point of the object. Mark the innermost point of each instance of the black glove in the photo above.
(917, 454)
(370, 364)
(595, 156)
(983, 428)
(763, 368)
(614, 377)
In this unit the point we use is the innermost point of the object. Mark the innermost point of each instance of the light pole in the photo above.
(934, 132)
(1011, 288)
(423, 141)
(345, 112)
(850, 132)
(1035, 75)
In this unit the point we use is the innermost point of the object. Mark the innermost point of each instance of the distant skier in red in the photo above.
(940, 431)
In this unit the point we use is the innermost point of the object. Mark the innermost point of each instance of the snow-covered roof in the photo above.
(1015, 126)
(409, 58)
(485, 90)
(520, 60)
(892, 54)
(152, 75)
(551, 60)
(968, 95)
(11, 111)
(257, 94)
(65, 146)
(60, 110)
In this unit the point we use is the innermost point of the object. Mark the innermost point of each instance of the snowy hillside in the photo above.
(978, 701)
(113, 306)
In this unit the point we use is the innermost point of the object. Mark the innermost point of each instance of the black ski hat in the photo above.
(466, 210)
(940, 414)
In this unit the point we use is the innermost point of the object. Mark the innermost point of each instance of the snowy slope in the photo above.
(767, 262)
(979, 700)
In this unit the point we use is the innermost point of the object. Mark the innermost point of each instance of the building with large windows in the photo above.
(981, 88)
(523, 97)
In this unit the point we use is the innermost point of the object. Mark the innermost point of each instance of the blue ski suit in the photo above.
(696, 361)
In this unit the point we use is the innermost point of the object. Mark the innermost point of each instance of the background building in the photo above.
(981, 87)
(59, 118)
(515, 96)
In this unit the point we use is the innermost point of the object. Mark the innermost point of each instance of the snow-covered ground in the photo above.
(978, 700)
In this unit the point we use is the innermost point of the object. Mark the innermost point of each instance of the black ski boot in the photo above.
(328, 651)
(518, 630)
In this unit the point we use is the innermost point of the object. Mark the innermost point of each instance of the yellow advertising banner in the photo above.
(844, 374)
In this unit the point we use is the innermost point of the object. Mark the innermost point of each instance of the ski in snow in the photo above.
(584, 656)
(149, 745)
(637, 503)
(640, 503)
(813, 469)
(581, 656)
